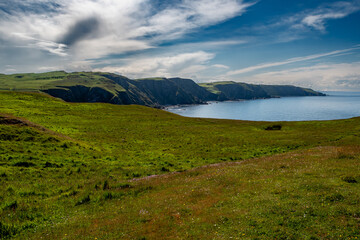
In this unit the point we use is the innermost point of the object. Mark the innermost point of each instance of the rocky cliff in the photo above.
(237, 91)
(154, 92)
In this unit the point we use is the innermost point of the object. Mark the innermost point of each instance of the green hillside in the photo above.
(228, 90)
(154, 92)
(66, 172)
(30, 81)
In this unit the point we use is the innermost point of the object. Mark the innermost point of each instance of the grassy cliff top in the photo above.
(58, 79)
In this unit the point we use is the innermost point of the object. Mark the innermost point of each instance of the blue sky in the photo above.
(306, 43)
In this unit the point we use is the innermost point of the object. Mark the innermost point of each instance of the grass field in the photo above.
(67, 172)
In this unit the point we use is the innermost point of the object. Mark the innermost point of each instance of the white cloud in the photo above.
(184, 65)
(221, 66)
(101, 47)
(173, 22)
(96, 28)
(288, 61)
(10, 70)
(47, 69)
(318, 21)
(302, 24)
(52, 47)
(341, 76)
(213, 11)
(318, 18)
(213, 44)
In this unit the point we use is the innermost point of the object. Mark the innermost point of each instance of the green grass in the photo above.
(59, 79)
(29, 81)
(86, 79)
(300, 195)
(211, 87)
(66, 168)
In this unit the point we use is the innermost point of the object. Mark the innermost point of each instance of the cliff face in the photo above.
(155, 92)
(81, 93)
(200, 93)
(233, 91)
(165, 92)
(236, 91)
(287, 91)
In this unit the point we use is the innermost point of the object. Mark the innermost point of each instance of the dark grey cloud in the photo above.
(80, 30)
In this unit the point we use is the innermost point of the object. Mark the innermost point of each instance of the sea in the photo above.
(336, 105)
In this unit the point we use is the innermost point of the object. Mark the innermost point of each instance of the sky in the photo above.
(308, 43)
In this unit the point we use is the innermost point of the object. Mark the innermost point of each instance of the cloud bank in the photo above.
(95, 28)
(337, 76)
(184, 65)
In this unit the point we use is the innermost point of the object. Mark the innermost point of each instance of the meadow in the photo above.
(85, 170)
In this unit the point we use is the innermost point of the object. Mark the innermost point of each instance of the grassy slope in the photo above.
(39, 81)
(86, 79)
(302, 195)
(26, 81)
(109, 143)
(213, 87)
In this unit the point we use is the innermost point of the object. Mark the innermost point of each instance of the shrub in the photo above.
(24, 164)
(273, 127)
(65, 145)
(52, 165)
(349, 179)
(12, 205)
(106, 185)
(335, 198)
(124, 186)
(164, 169)
(108, 195)
(84, 200)
(136, 175)
(6, 231)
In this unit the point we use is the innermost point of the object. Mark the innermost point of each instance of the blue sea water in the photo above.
(336, 105)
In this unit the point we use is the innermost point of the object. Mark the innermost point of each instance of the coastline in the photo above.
(333, 107)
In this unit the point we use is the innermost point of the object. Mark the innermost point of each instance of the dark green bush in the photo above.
(108, 195)
(106, 185)
(6, 231)
(12, 205)
(24, 164)
(335, 198)
(274, 127)
(349, 179)
(83, 200)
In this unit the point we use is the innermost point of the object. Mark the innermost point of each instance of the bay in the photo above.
(336, 105)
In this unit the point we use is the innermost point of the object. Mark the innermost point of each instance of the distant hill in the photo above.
(235, 91)
(154, 92)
